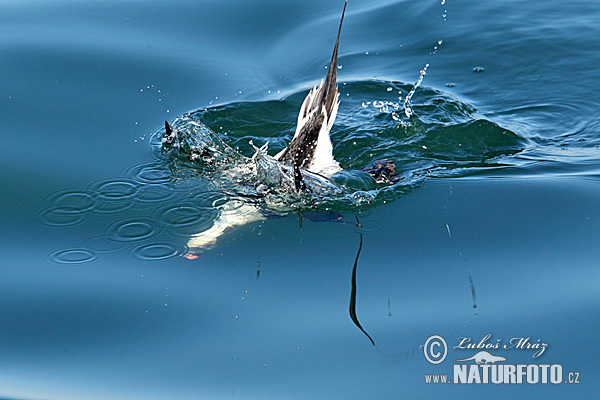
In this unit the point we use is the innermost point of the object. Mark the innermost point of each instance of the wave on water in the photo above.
(227, 147)
(216, 171)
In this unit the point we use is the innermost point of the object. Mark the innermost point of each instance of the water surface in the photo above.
(499, 193)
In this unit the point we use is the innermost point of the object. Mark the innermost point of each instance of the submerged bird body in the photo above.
(308, 157)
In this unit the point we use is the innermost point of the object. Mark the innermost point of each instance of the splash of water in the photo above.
(199, 183)
(261, 178)
(442, 138)
(408, 111)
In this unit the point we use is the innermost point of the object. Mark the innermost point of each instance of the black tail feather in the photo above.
(168, 129)
(329, 86)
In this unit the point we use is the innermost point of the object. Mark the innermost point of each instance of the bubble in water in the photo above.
(361, 198)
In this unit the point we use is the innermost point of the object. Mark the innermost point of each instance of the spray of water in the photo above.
(408, 111)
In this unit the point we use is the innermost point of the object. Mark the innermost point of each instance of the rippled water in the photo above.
(119, 282)
(435, 136)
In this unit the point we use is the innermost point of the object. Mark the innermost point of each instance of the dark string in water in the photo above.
(353, 315)
(471, 281)
(398, 357)
(472, 288)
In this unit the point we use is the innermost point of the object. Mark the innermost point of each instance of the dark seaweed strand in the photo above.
(352, 307)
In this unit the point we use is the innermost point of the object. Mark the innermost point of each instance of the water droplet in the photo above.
(339, 66)
(478, 69)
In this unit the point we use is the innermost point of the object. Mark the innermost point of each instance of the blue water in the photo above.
(492, 229)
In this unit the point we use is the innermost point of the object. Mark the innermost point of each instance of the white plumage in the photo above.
(322, 162)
